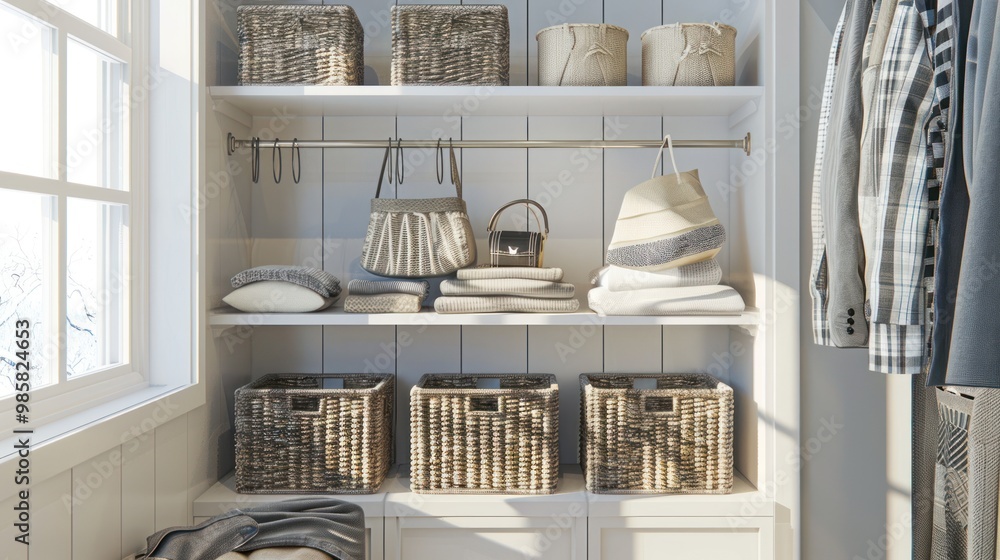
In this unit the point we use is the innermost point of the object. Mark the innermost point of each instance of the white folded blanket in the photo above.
(618, 279)
(502, 272)
(508, 287)
(504, 304)
(694, 300)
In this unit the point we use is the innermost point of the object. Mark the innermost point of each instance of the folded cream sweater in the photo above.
(504, 304)
(696, 300)
(507, 272)
(508, 287)
(618, 279)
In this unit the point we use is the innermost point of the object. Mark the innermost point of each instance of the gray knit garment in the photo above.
(697, 300)
(376, 287)
(319, 281)
(618, 279)
(503, 272)
(655, 253)
(383, 303)
(508, 287)
(504, 304)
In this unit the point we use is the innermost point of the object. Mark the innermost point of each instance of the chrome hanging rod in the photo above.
(741, 144)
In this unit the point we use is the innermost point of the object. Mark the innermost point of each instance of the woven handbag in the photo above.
(300, 45)
(583, 54)
(418, 237)
(518, 248)
(689, 54)
(665, 222)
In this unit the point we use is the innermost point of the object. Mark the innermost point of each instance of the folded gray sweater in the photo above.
(374, 287)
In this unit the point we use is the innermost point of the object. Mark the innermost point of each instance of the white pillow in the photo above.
(273, 296)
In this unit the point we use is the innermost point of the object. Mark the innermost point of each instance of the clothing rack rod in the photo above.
(741, 144)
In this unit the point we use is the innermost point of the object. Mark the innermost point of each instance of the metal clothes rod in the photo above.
(742, 144)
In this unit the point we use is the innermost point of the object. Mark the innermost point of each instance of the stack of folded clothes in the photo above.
(283, 289)
(507, 290)
(385, 296)
(692, 289)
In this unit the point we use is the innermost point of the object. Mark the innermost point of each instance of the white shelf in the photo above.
(227, 317)
(396, 500)
(482, 100)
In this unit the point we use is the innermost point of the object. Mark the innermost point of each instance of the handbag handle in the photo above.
(531, 204)
(668, 144)
(456, 178)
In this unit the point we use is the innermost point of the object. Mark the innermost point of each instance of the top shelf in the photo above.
(304, 101)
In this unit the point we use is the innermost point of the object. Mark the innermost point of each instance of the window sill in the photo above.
(67, 442)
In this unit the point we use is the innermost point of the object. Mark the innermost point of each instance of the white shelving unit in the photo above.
(321, 222)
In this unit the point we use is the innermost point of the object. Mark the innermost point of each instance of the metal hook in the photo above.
(296, 161)
(276, 169)
(389, 161)
(451, 149)
(255, 159)
(439, 163)
(400, 171)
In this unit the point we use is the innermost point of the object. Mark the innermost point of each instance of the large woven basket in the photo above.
(674, 438)
(294, 436)
(689, 54)
(465, 439)
(583, 54)
(282, 45)
(450, 45)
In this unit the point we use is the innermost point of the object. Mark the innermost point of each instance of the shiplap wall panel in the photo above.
(97, 507)
(11, 549)
(52, 526)
(636, 17)
(633, 349)
(171, 477)
(138, 485)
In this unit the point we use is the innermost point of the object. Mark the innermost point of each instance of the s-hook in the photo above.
(276, 169)
(400, 171)
(255, 159)
(388, 158)
(296, 161)
(439, 163)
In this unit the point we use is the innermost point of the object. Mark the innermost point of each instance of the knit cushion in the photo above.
(375, 287)
(697, 300)
(618, 279)
(665, 222)
(504, 304)
(270, 296)
(508, 287)
(320, 281)
(526, 273)
(383, 303)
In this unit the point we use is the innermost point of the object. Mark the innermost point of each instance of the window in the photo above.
(71, 188)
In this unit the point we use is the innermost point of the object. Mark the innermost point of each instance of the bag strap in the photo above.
(668, 144)
(381, 174)
(456, 178)
(531, 204)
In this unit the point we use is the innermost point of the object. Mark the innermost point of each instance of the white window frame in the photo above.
(64, 396)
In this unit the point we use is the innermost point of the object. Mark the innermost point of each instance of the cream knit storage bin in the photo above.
(466, 439)
(281, 45)
(293, 436)
(582, 54)
(674, 438)
(689, 54)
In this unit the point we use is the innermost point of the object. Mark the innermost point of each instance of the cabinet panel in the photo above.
(485, 538)
(648, 538)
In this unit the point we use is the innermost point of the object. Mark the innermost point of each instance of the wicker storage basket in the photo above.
(689, 54)
(294, 436)
(465, 439)
(583, 54)
(676, 438)
(282, 45)
(450, 45)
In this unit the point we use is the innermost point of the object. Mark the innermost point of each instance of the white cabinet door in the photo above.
(485, 538)
(373, 536)
(692, 538)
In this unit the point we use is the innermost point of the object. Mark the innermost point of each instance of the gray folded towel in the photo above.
(319, 281)
(508, 287)
(383, 303)
(695, 300)
(504, 304)
(376, 287)
(508, 272)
